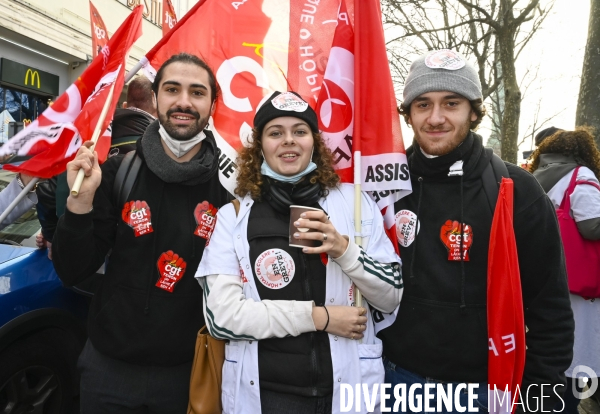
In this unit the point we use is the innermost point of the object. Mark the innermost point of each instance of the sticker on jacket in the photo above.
(407, 227)
(206, 218)
(171, 268)
(136, 214)
(275, 268)
(451, 237)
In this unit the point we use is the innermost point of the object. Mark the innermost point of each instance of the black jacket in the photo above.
(131, 318)
(441, 328)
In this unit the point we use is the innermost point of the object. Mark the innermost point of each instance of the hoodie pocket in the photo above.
(229, 386)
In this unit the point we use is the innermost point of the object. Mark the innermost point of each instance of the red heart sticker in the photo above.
(171, 268)
(137, 215)
(206, 218)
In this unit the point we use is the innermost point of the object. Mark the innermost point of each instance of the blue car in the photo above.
(42, 325)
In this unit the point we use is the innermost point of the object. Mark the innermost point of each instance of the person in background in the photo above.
(12, 190)
(554, 163)
(128, 125)
(287, 312)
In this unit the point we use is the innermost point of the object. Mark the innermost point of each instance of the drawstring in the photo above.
(151, 279)
(414, 254)
(463, 306)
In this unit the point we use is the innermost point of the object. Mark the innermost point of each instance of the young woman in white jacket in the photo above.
(294, 336)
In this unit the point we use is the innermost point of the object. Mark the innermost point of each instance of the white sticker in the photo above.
(275, 268)
(445, 59)
(288, 101)
(407, 227)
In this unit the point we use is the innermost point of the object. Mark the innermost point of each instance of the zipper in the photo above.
(313, 351)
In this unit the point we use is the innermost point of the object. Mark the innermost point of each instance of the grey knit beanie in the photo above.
(442, 70)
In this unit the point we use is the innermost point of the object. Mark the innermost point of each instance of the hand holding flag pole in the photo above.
(95, 136)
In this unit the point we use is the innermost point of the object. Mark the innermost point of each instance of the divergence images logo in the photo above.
(33, 75)
(584, 380)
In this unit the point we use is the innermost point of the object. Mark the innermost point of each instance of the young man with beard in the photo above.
(148, 309)
(440, 333)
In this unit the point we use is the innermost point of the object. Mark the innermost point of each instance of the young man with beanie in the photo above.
(440, 333)
(146, 313)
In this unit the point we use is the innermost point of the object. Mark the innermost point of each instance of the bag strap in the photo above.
(593, 184)
(492, 177)
(125, 178)
(565, 204)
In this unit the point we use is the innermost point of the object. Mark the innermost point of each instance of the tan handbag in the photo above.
(207, 370)
(207, 373)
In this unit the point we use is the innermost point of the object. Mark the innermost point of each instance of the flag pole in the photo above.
(95, 136)
(18, 198)
(135, 69)
(356, 147)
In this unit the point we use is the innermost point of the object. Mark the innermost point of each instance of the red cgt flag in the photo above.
(287, 47)
(169, 17)
(56, 135)
(506, 326)
(99, 32)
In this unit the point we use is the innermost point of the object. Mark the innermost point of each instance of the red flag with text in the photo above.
(169, 17)
(99, 32)
(287, 47)
(506, 326)
(56, 135)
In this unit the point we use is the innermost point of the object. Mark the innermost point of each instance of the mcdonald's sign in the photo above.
(29, 79)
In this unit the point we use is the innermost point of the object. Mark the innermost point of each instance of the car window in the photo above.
(24, 229)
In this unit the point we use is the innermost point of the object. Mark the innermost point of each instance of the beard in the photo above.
(180, 132)
(446, 146)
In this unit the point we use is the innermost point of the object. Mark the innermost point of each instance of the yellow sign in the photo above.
(34, 75)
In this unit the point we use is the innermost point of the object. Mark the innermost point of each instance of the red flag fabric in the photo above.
(506, 326)
(169, 17)
(287, 47)
(99, 32)
(56, 135)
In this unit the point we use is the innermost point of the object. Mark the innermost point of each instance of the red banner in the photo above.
(288, 46)
(506, 323)
(169, 17)
(99, 32)
(56, 135)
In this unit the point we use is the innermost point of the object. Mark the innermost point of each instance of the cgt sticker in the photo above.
(451, 237)
(206, 218)
(407, 227)
(136, 214)
(275, 268)
(171, 268)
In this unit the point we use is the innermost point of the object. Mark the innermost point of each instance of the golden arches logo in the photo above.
(34, 75)
(260, 47)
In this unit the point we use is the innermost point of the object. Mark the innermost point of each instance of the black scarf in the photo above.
(196, 171)
(552, 168)
(281, 196)
(439, 167)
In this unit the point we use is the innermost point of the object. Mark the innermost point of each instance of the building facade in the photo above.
(46, 45)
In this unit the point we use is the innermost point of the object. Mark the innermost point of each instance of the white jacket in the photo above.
(234, 310)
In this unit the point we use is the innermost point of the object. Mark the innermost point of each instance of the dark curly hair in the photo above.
(250, 180)
(579, 144)
(476, 106)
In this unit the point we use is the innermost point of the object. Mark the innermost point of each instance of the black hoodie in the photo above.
(441, 328)
(131, 318)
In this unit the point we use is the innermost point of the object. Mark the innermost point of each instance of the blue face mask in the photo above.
(265, 169)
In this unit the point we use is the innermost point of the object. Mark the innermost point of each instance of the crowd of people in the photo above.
(181, 252)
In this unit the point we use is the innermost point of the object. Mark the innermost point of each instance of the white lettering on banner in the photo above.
(509, 344)
(385, 172)
(106, 81)
(227, 71)
(237, 4)
(227, 156)
(170, 20)
(100, 34)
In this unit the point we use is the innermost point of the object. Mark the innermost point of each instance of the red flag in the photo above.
(506, 326)
(99, 32)
(169, 17)
(56, 135)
